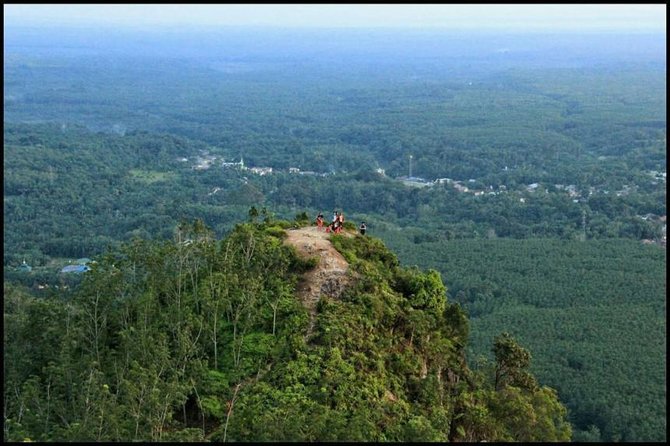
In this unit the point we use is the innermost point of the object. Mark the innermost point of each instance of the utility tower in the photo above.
(410, 166)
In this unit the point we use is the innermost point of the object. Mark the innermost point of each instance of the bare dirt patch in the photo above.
(328, 278)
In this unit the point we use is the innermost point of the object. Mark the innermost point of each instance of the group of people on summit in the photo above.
(337, 223)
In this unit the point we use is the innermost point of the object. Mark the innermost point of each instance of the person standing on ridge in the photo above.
(340, 222)
(362, 228)
(319, 220)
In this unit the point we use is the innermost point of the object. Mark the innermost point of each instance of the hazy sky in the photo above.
(622, 17)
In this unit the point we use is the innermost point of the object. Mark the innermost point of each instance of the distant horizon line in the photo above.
(415, 29)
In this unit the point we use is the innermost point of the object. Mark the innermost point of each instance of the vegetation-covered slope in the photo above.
(197, 339)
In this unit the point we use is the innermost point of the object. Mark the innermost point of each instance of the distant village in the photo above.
(206, 160)
(76, 267)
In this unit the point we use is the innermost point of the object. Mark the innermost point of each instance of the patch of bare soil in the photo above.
(328, 278)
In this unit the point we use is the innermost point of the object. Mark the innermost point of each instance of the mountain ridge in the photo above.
(200, 339)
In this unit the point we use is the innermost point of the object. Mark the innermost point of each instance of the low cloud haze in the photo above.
(628, 17)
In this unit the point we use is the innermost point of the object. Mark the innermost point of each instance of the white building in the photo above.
(239, 165)
(261, 170)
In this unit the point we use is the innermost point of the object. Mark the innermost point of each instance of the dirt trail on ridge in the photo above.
(329, 277)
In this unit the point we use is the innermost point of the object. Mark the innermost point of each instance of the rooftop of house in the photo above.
(75, 269)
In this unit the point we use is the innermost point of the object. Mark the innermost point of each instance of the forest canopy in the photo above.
(206, 341)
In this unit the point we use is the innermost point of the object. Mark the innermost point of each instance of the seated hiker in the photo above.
(362, 228)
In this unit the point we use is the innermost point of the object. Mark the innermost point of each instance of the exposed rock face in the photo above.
(328, 278)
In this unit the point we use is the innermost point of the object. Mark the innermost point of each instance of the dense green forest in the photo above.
(175, 341)
(541, 163)
(586, 310)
